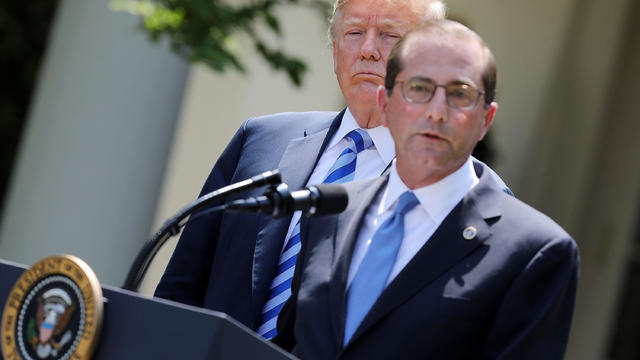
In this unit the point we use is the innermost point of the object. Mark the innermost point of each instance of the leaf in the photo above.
(294, 67)
(272, 23)
(203, 30)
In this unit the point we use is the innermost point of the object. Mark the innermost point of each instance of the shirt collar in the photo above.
(380, 136)
(439, 198)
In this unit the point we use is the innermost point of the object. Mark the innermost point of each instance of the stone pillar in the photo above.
(94, 150)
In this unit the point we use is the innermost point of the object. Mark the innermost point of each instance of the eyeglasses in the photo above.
(460, 96)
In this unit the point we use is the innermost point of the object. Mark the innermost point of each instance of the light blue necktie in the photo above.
(342, 171)
(372, 274)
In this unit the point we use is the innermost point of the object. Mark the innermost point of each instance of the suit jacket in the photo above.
(226, 261)
(507, 293)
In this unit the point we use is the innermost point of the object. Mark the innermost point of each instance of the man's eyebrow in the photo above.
(353, 21)
(390, 24)
(464, 81)
(384, 23)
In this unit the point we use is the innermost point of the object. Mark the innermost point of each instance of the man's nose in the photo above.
(369, 49)
(437, 106)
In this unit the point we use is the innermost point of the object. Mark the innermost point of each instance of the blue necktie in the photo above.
(372, 274)
(342, 171)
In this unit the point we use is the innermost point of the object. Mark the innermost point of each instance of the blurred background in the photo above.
(106, 134)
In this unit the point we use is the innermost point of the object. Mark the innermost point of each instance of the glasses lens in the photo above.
(418, 90)
(461, 95)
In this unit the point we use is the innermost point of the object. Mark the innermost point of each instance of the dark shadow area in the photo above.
(24, 30)
(623, 341)
(484, 151)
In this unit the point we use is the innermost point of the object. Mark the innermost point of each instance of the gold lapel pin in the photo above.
(469, 232)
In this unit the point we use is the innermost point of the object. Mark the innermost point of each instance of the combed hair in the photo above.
(443, 28)
(435, 10)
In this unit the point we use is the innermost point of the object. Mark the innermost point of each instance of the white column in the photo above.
(94, 150)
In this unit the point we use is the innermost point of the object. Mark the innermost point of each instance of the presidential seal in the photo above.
(54, 311)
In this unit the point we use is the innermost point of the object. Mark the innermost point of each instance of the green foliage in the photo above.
(31, 333)
(204, 30)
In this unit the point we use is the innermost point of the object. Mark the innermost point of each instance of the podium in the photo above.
(138, 327)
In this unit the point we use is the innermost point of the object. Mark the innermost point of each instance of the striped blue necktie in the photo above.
(373, 272)
(342, 171)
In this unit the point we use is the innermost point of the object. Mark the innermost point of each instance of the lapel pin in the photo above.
(469, 232)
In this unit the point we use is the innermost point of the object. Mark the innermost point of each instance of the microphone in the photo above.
(322, 199)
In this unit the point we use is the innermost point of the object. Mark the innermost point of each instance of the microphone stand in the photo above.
(172, 226)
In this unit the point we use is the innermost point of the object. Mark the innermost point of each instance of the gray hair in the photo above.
(436, 10)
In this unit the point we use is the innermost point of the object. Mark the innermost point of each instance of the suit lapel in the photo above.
(349, 223)
(446, 247)
(296, 168)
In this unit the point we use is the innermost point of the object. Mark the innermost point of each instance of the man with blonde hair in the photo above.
(242, 264)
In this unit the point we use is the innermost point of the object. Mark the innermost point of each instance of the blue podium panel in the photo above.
(138, 327)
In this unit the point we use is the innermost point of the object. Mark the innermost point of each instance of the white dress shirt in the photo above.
(436, 202)
(370, 163)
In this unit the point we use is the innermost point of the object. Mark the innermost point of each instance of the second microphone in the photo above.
(322, 199)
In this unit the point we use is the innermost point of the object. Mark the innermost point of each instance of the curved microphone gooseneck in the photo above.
(198, 207)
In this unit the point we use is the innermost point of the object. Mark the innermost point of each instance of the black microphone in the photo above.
(323, 199)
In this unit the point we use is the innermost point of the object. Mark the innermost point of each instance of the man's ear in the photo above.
(383, 102)
(489, 114)
(335, 57)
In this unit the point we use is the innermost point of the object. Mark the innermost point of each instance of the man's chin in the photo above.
(366, 89)
(359, 96)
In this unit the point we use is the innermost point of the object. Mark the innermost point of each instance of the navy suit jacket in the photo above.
(226, 261)
(507, 293)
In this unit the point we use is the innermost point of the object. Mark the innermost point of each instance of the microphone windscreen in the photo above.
(333, 199)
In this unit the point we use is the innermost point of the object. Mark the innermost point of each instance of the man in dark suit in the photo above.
(226, 262)
(433, 260)
(235, 263)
